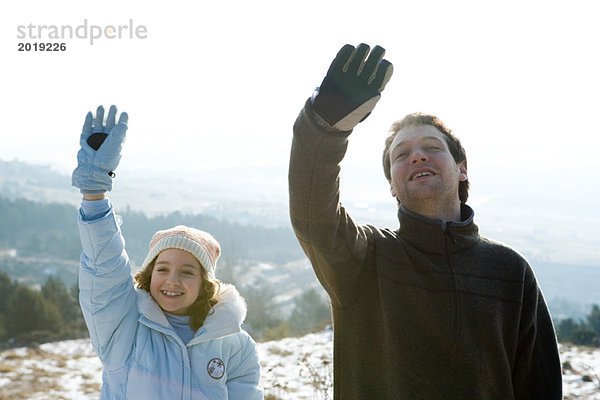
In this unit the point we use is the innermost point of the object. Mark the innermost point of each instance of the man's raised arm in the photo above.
(329, 237)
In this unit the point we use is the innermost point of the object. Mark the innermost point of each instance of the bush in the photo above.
(262, 311)
(583, 333)
(34, 338)
(585, 337)
(311, 313)
(28, 316)
(29, 311)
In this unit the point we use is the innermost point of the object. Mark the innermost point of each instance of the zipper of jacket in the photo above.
(186, 365)
(452, 280)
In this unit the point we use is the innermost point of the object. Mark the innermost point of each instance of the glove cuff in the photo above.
(91, 180)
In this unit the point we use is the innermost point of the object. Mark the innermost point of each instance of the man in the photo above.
(431, 310)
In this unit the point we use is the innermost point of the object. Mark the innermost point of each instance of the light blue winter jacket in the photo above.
(143, 357)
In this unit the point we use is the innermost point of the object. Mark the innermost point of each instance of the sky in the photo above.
(214, 85)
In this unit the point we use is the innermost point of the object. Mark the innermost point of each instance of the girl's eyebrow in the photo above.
(183, 265)
(191, 265)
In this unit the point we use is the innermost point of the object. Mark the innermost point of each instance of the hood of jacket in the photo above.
(225, 318)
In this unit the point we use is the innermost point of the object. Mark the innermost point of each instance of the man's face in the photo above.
(422, 169)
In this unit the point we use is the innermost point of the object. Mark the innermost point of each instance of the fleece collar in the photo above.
(225, 318)
(437, 236)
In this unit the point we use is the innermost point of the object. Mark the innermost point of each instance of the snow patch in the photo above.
(292, 368)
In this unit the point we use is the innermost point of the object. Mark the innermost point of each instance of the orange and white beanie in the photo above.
(199, 243)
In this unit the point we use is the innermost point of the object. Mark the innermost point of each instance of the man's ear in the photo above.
(462, 176)
(392, 188)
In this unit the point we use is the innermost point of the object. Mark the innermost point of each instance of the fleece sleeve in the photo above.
(537, 374)
(336, 246)
(107, 296)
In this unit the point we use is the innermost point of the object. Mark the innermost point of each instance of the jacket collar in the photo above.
(225, 318)
(438, 236)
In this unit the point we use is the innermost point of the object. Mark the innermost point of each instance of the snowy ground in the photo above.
(581, 372)
(293, 368)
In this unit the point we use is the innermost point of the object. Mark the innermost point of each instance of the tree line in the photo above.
(33, 228)
(50, 230)
(45, 234)
(584, 332)
(52, 313)
(310, 313)
(29, 316)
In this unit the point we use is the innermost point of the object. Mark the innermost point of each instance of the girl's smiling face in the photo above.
(176, 280)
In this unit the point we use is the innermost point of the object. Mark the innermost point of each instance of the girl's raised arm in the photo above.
(107, 296)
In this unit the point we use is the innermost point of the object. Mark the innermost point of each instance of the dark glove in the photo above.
(352, 86)
(100, 151)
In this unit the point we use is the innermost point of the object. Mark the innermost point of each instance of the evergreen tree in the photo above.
(6, 289)
(584, 333)
(594, 319)
(29, 311)
(262, 311)
(584, 336)
(310, 312)
(565, 329)
(55, 291)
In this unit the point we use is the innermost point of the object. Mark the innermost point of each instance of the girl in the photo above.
(177, 335)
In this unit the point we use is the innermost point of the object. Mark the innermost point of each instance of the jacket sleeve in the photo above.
(337, 247)
(243, 379)
(537, 374)
(107, 296)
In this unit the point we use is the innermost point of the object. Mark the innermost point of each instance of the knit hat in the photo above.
(199, 243)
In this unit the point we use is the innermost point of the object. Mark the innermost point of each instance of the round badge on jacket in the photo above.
(216, 368)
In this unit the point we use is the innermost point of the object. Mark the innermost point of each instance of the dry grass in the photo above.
(321, 376)
(5, 368)
(90, 387)
(28, 378)
(279, 352)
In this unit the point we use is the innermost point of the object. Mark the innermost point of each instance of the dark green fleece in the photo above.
(429, 311)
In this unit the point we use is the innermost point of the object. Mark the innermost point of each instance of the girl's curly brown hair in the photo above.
(207, 297)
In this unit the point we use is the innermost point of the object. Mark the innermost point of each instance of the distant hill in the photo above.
(46, 235)
(568, 289)
(559, 239)
(253, 196)
(557, 227)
